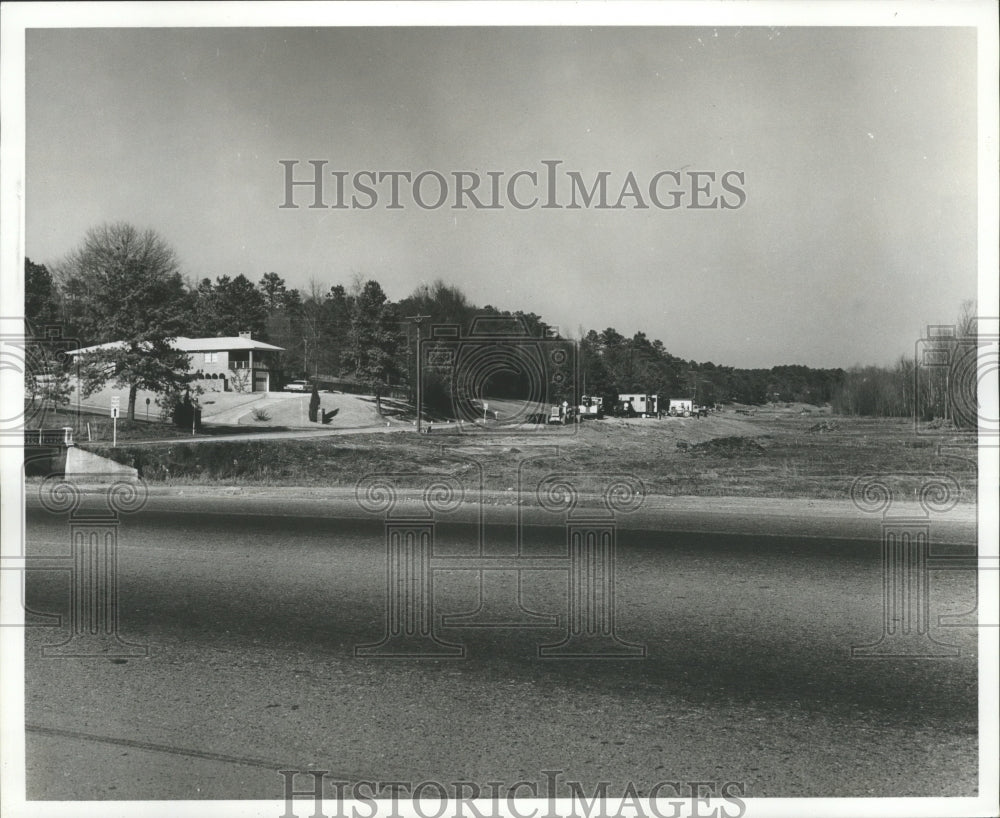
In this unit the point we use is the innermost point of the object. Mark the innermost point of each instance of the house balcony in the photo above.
(244, 364)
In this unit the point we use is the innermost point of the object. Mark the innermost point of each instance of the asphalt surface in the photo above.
(251, 617)
(291, 434)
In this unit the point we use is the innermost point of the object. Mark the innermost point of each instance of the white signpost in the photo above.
(115, 407)
(485, 407)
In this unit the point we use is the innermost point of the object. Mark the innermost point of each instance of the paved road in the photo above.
(431, 428)
(251, 623)
(291, 434)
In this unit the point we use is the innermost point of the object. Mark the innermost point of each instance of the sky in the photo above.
(857, 148)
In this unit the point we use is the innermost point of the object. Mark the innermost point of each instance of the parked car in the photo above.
(298, 386)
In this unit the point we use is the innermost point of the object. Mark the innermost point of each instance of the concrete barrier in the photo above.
(81, 463)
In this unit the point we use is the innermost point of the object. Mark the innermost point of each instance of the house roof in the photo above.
(219, 344)
(198, 345)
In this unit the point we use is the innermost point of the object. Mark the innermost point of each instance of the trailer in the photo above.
(638, 405)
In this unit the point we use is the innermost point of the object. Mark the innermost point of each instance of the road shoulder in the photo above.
(764, 516)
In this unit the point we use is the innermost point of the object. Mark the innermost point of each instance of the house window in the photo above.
(211, 357)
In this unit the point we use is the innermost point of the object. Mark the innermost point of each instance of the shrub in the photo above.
(184, 412)
(314, 405)
(261, 415)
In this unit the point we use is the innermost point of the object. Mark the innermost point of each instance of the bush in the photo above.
(314, 405)
(184, 411)
(261, 415)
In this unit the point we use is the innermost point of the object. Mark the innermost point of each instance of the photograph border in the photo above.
(17, 18)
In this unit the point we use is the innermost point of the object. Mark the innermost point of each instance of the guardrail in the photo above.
(49, 437)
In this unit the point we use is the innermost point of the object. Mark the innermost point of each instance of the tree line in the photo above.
(125, 285)
(940, 380)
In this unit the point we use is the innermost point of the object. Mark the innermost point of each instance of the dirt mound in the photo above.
(728, 447)
(825, 426)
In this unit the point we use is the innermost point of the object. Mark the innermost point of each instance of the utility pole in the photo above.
(418, 320)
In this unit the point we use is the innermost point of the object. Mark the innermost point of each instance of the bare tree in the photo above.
(122, 288)
(967, 319)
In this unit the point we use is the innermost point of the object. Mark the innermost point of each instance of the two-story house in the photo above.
(225, 364)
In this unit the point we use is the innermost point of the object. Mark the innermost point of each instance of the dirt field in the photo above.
(769, 454)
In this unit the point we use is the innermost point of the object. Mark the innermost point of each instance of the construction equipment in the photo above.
(590, 408)
(680, 408)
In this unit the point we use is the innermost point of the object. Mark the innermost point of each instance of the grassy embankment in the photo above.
(770, 454)
(95, 430)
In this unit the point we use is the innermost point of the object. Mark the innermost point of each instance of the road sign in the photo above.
(115, 404)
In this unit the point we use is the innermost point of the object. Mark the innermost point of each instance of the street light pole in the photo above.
(418, 320)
